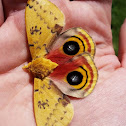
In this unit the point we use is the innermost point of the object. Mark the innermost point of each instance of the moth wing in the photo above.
(51, 106)
(44, 21)
(77, 77)
(70, 43)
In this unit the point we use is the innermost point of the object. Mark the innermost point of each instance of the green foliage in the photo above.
(118, 16)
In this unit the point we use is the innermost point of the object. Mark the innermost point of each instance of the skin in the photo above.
(104, 107)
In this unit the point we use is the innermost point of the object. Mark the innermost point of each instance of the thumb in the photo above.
(122, 45)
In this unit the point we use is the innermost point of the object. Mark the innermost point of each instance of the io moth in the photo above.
(62, 64)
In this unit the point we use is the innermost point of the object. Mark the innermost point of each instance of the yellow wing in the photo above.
(44, 21)
(52, 108)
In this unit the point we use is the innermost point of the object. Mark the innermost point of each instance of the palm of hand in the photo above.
(105, 106)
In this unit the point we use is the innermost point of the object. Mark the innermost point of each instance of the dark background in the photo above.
(118, 16)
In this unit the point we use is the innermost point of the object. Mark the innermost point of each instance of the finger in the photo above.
(61, 4)
(122, 45)
(11, 6)
(95, 17)
(1, 13)
(13, 46)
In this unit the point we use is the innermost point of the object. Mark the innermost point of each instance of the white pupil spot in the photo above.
(71, 47)
(74, 78)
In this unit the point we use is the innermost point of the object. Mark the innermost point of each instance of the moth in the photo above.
(62, 63)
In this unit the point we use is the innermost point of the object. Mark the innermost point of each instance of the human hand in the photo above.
(105, 106)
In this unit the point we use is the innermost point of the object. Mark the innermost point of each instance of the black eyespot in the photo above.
(71, 48)
(74, 78)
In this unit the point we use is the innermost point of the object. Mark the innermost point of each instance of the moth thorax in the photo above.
(41, 67)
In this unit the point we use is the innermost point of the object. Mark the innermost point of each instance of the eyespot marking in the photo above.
(74, 78)
(71, 48)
